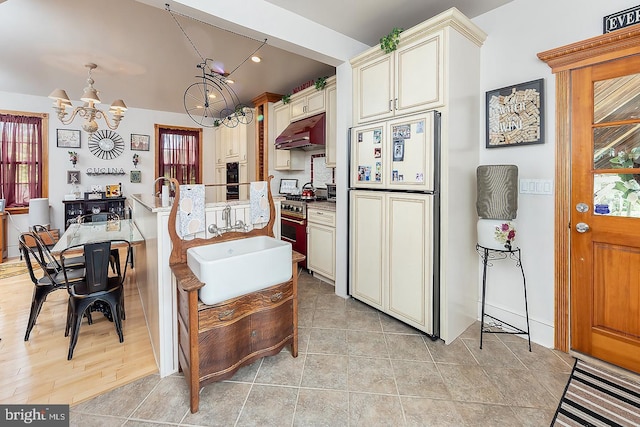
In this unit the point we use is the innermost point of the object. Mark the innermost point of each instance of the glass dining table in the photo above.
(90, 232)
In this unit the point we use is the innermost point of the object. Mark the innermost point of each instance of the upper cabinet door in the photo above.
(298, 107)
(420, 74)
(307, 104)
(373, 89)
(315, 103)
(408, 80)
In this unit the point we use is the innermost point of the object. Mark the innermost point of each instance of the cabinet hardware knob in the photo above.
(226, 313)
(276, 297)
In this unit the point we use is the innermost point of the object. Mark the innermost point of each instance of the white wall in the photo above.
(517, 32)
(138, 121)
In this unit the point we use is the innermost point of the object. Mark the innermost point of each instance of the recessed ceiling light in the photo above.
(256, 59)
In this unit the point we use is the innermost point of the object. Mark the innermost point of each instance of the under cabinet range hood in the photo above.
(305, 134)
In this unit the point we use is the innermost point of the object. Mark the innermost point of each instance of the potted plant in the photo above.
(286, 99)
(389, 43)
(321, 82)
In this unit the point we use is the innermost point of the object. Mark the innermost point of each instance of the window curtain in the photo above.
(21, 159)
(179, 155)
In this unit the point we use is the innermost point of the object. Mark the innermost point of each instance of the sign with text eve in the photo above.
(622, 19)
(515, 115)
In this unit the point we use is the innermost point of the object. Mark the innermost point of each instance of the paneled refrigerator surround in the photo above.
(394, 220)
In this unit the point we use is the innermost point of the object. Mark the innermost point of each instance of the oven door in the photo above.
(294, 231)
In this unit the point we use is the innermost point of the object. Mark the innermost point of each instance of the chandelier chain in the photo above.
(168, 9)
(184, 32)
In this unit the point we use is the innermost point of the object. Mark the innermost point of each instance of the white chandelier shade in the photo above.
(88, 111)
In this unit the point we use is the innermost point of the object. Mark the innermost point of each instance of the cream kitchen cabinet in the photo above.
(391, 260)
(234, 144)
(220, 148)
(397, 266)
(407, 80)
(307, 103)
(285, 159)
(331, 129)
(321, 242)
(221, 178)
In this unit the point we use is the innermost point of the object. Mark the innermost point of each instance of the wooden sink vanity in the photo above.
(214, 341)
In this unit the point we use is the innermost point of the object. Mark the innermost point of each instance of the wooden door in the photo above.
(605, 211)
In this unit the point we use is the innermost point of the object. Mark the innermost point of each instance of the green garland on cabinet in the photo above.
(389, 43)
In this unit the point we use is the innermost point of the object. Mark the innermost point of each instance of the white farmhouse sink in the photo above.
(238, 267)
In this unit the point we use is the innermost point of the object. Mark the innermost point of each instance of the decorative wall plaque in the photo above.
(515, 115)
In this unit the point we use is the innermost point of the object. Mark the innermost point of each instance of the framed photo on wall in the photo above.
(140, 142)
(515, 115)
(68, 138)
(136, 177)
(73, 177)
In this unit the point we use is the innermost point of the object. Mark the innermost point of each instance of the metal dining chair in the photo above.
(45, 251)
(52, 279)
(104, 217)
(96, 287)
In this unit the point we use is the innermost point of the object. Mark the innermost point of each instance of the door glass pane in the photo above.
(616, 99)
(616, 194)
(616, 147)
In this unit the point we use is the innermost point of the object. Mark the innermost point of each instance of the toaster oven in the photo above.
(331, 192)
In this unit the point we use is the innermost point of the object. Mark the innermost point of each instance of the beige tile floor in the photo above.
(356, 367)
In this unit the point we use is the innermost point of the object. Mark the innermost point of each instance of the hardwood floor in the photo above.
(37, 371)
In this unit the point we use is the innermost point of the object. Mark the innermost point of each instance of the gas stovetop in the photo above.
(295, 206)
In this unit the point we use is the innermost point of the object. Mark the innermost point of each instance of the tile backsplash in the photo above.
(321, 173)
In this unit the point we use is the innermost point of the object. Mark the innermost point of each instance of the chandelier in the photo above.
(88, 111)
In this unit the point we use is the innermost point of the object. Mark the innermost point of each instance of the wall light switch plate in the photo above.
(536, 186)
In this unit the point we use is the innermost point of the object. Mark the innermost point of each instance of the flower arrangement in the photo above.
(73, 157)
(505, 234)
(136, 160)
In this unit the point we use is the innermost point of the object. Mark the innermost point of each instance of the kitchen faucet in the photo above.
(226, 217)
(157, 193)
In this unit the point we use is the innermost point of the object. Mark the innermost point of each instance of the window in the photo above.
(23, 155)
(179, 153)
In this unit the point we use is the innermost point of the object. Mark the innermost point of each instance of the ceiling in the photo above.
(148, 56)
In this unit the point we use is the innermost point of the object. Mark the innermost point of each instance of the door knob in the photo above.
(582, 207)
(581, 227)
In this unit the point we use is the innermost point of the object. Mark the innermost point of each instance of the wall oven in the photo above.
(233, 191)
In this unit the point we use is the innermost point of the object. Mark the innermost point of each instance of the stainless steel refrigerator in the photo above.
(394, 218)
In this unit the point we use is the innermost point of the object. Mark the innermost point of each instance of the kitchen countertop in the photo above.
(154, 203)
(325, 206)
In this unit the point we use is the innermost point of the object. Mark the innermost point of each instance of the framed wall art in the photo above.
(73, 177)
(68, 138)
(136, 177)
(140, 142)
(515, 115)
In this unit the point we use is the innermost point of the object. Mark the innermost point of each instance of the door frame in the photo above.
(563, 60)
